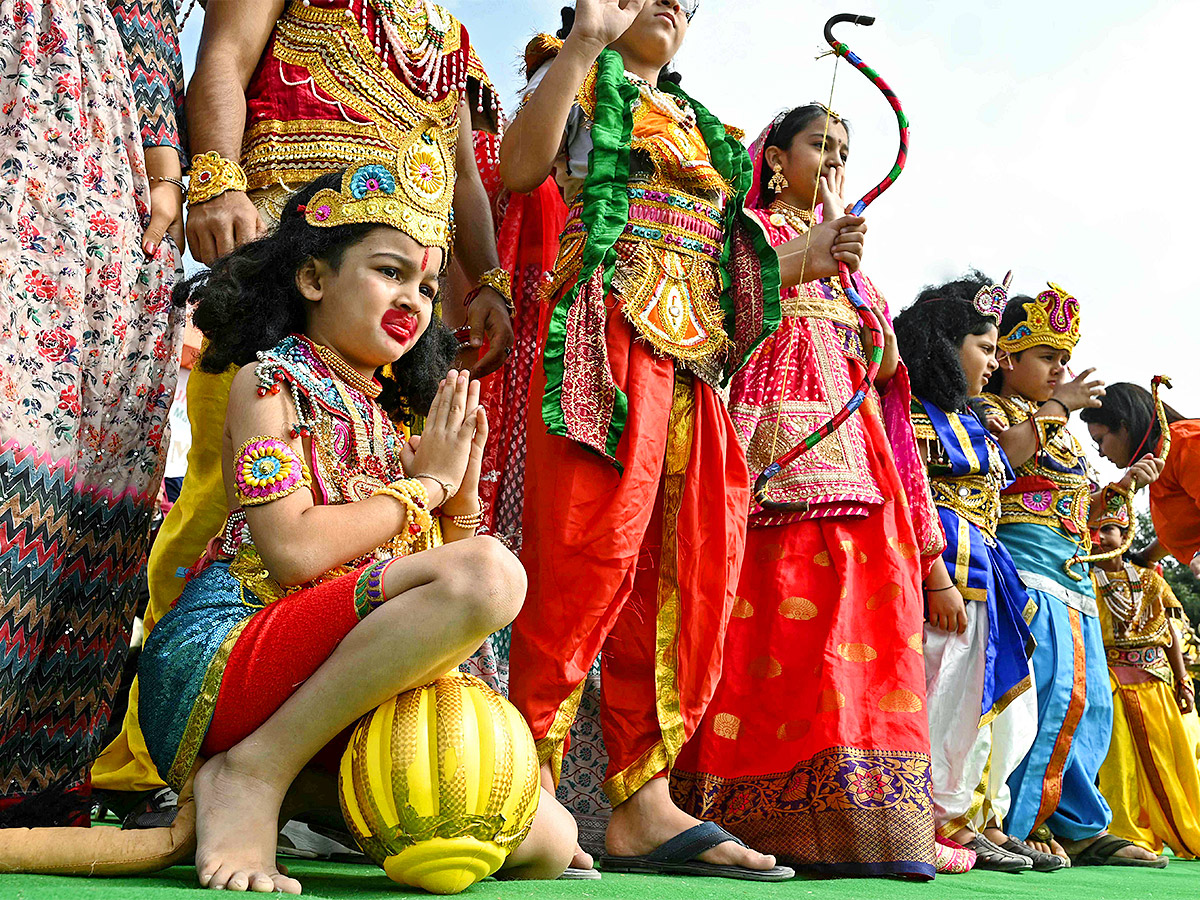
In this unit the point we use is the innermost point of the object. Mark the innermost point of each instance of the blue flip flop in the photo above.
(678, 857)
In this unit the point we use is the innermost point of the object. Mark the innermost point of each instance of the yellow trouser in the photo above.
(1149, 777)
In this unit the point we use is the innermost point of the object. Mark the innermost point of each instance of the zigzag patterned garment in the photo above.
(88, 351)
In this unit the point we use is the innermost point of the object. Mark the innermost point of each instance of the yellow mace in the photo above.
(440, 784)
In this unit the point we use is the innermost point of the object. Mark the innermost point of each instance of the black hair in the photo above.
(1014, 315)
(568, 22)
(1130, 405)
(782, 134)
(248, 302)
(930, 333)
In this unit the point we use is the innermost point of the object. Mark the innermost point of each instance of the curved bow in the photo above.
(1160, 411)
(865, 313)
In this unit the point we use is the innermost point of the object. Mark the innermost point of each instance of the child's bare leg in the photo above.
(580, 859)
(443, 604)
(547, 850)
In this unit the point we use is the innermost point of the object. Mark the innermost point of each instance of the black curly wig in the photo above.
(782, 134)
(248, 302)
(930, 334)
(1130, 405)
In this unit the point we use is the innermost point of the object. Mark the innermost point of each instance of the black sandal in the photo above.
(997, 859)
(1042, 862)
(1102, 852)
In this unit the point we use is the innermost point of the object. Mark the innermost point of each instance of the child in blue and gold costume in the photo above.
(1043, 523)
(976, 643)
(348, 570)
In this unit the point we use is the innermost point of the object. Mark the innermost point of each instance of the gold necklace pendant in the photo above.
(785, 214)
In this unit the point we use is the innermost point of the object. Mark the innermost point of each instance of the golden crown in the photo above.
(415, 195)
(1051, 320)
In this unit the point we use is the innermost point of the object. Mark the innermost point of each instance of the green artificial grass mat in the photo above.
(342, 881)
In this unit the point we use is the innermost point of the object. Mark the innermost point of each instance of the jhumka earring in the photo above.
(778, 182)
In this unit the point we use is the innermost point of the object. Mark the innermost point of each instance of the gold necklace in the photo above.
(784, 213)
(343, 370)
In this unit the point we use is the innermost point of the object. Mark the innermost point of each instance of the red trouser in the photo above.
(640, 566)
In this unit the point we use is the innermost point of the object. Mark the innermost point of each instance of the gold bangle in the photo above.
(447, 487)
(415, 498)
(211, 175)
(175, 181)
(500, 281)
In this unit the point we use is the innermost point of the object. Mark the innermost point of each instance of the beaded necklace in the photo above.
(419, 51)
(1125, 599)
(369, 387)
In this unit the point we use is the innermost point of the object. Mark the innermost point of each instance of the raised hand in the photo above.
(1080, 392)
(1144, 472)
(600, 22)
(830, 187)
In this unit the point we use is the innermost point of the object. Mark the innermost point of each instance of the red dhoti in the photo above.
(639, 565)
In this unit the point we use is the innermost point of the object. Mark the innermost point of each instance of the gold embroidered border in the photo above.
(551, 746)
(629, 780)
(202, 710)
(978, 798)
(343, 64)
(1007, 698)
(662, 755)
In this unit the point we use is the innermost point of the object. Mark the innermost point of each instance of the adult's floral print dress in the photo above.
(89, 345)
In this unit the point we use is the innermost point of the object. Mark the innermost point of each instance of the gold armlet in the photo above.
(211, 175)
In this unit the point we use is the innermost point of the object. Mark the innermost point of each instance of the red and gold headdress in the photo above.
(1051, 320)
(1110, 508)
(413, 195)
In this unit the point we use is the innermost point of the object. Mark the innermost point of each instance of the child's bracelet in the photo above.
(948, 587)
(415, 498)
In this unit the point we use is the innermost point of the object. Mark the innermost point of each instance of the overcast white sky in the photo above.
(1053, 137)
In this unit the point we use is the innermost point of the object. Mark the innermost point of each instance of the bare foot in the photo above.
(237, 823)
(963, 836)
(995, 835)
(1133, 851)
(581, 859)
(1052, 847)
(649, 819)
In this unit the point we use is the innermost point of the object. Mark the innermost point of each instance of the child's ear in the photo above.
(308, 281)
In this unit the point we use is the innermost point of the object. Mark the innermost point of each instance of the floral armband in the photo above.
(265, 469)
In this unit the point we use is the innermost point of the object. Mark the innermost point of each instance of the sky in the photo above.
(1046, 137)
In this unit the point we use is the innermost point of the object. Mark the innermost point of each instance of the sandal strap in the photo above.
(687, 845)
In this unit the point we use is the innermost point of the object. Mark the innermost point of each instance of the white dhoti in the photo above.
(971, 762)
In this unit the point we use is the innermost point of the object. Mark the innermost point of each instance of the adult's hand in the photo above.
(221, 225)
(166, 199)
(487, 317)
